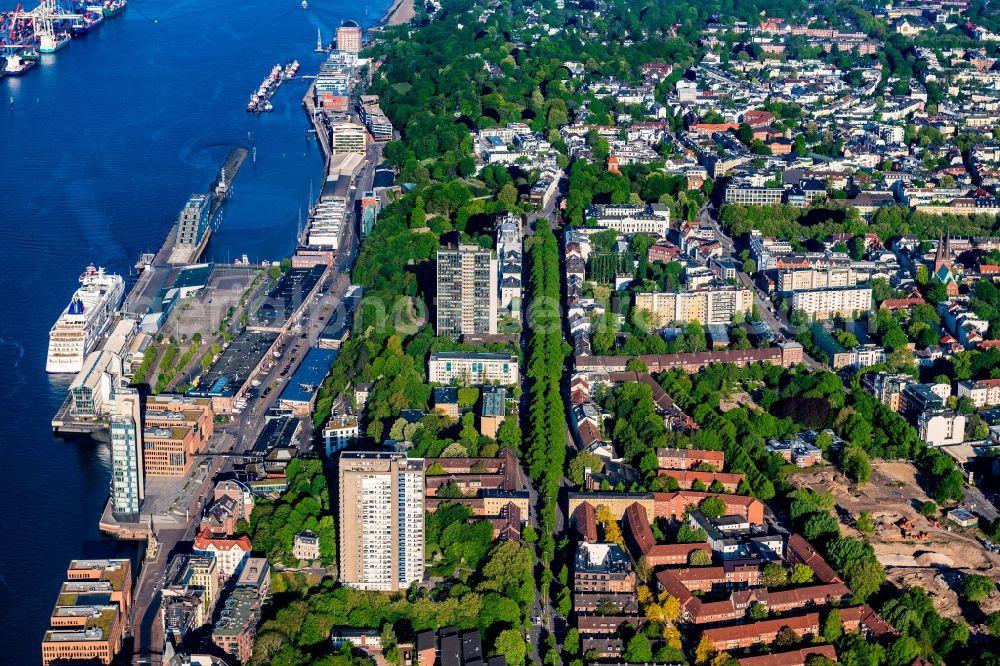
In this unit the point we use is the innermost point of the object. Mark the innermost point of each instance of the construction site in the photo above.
(931, 552)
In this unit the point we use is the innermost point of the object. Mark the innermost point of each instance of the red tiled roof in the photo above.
(711, 128)
(589, 433)
(706, 455)
(867, 618)
(205, 539)
(606, 624)
(793, 658)
(638, 524)
(686, 477)
(799, 624)
(900, 303)
(586, 522)
(802, 596)
(800, 549)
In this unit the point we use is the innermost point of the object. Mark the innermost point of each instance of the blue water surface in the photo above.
(100, 146)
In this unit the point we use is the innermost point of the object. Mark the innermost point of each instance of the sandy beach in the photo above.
(400, 12)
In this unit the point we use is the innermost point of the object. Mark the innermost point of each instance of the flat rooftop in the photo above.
(277, 432)
(494, 400)
(236, 613)
(342, 317)
(473, 356)
(237, 362)
(281, 302)
(309, 376)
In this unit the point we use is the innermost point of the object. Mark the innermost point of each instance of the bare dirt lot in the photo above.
(913, 549)
(738, 399)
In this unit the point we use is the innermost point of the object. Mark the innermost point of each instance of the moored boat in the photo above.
(83, 322)
(16, 65)
(114, 7)
(90, 20)
(50, 43)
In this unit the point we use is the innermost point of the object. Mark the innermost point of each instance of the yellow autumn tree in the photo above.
(722, 659)
(612, 531)
(705, 650)
(671, 606)
(672, 635)
(654, 613)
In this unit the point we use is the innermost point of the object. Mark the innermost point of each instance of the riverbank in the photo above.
(107, 194)
(399, 12)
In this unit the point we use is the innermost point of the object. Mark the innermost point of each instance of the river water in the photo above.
(100, 146)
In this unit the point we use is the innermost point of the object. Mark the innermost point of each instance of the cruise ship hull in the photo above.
(81, 325)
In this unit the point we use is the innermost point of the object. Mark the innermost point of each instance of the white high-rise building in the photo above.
(466, 291)
(127, 475)
(381, 520)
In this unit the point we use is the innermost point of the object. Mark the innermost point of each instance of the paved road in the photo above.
(772, 317)
(240, 435)
(979, 503)
(543, 614)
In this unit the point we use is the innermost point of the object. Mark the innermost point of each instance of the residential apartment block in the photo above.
(473, 368)
(748, 194)
(381, 520)
(236, 629)
(466, 291)
(941, 427)
(982, 393)
(194, 576)
(630, 219)
(375, 119)
(689, 459)
(785, 354)
(816, 278)
(340, 431)
(827, 303)
(602, 567)
(715, 306)
(510, 262)
(230, 554)
(888, 388)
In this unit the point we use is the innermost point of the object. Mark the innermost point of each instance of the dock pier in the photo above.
(220, 192)
(309, 103)
(64, 424)
(167, 260)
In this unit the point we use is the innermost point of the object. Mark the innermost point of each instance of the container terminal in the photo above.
(49, 27)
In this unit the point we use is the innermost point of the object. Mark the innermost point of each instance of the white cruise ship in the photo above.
(83, 322)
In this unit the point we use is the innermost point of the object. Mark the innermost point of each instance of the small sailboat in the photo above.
(304, 5)
(319, 42)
